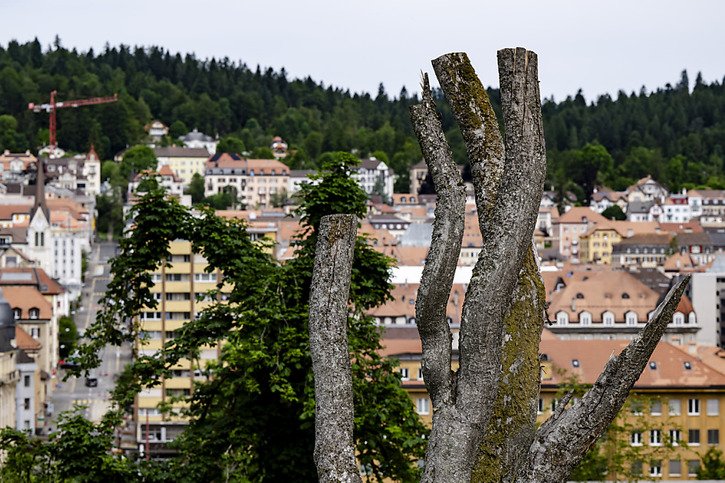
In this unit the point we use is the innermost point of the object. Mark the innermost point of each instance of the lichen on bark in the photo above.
(512, 426)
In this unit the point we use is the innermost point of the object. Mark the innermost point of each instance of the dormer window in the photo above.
(585, 318)
(625, 295)
(678, 318)
(575, 362)
(562, 318)
(34, 313)
(692, 318)
(16, 313)
(608, 318)
(580, 295)
(631, 318)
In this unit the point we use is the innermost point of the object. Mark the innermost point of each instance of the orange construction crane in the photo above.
(54, 105)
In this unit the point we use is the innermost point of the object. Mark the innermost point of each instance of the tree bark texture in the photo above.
(334, 444)
(508, 185)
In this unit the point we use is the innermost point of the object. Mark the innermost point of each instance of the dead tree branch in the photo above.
(334, 446)
(442, 259)
(560, 444)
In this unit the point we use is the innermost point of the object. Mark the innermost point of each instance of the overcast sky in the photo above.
(597, 46)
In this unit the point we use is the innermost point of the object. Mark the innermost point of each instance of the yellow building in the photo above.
(184, 162)
(179, 284)
(180, 287)
(672, 418)
(596, 244)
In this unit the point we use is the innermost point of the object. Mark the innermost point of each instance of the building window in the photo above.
(423, 405)
(631, 318)
(675, 467)
(404, 374)
(26, 381)
(636, 438)
(636, 407)
(562, 318)
(713, 407)
(16, 313)
(693, 436)
(693, 407)
(540, 407)
(34, 313)
(655, 468)
(420, 374)
(554, 404)
(608, 318)
(693, 466)
(678, 318)
(35, 332)
(713, 436)
(585, 318)
(674, 436)
(655, 407)
(26, 404)
(655, 437)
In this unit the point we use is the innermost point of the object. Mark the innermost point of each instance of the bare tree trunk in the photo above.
(508, 185)
(484, 415)
(334, 447)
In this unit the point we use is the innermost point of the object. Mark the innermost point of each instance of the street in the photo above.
(74, 391)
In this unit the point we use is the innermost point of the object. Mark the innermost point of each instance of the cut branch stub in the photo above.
(561, 443)
(334, 444)
(442, 259)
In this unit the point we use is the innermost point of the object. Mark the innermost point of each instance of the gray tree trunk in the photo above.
(334, 447)
(484, 414)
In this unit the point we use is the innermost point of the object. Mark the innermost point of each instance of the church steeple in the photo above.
(40, 191)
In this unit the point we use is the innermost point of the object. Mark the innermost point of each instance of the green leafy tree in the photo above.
(67, 336)
(230, 144)
(262, 152)
(254, 418)
(136, 159)
(177, 129)
(713, 465)
(614, 212)
(196, 188)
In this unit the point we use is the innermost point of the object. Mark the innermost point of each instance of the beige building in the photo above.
(184, 162)
(572, 225)
(256, 181)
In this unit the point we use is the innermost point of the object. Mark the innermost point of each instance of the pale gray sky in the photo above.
(598, 46)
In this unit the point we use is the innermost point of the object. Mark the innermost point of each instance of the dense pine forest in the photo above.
(676, 133)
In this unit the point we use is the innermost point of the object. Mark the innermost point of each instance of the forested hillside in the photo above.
(677, 133)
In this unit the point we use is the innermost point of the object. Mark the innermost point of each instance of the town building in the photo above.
(298, 177)
(8, 365)
(418, 174)
(610, 304)
(198, 140)
(677, 399)
(646, 189)
(178, 287)
(709, 205)
(645, 250)
(573, 224)
(604, 198)
(256, 181)
(156, 130)
(707, 290)
(596, 244)
(375, 177)
(279, 148)
(14, 165)
(184, 162)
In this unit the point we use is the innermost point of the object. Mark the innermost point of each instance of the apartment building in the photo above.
(572, 225)
(184, 162)
(256, 181)
(180, 285)
(678, 398)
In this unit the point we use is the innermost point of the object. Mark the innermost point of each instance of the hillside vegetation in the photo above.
(676, 133)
